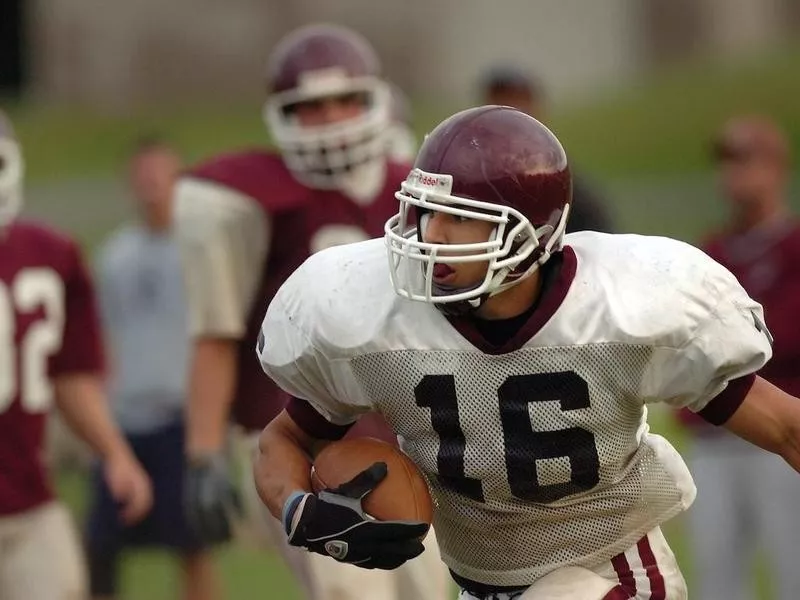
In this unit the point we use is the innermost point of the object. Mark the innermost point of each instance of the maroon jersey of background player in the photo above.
(297, 214)
(48, 327)
(766, 261)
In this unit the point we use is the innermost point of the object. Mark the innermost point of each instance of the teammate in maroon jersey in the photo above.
(749, 498)
(245, 221)
(50, 352)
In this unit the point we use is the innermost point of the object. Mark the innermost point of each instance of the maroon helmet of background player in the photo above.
(318, 63)
(11, 172)
(490, 163)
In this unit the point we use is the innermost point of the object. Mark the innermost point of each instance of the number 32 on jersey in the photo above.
(24, 354)
(523, 446)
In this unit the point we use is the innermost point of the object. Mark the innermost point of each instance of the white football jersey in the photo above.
(538, 457)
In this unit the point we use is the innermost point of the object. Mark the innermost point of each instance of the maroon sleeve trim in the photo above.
(723, 405)
(313, 423)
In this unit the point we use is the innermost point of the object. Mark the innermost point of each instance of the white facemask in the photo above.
(512, 242)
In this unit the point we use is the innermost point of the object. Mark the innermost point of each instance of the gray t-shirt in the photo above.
(144, 312)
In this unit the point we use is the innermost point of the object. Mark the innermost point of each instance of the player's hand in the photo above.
(129, 486)
(333, 523)
(210, 498)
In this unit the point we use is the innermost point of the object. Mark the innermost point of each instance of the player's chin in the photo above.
(454, 285)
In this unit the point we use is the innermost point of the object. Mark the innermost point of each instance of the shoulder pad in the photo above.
(259, 174)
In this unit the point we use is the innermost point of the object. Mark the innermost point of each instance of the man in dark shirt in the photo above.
(510, 86)
(746, 498)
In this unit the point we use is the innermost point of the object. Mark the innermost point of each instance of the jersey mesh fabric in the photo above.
(635, 481)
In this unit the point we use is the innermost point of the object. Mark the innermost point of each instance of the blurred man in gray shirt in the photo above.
(144, 313)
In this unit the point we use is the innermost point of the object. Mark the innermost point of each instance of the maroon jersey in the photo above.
(766, 261)
(303, 221)
(48, 327)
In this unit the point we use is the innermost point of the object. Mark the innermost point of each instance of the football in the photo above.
(402, 495)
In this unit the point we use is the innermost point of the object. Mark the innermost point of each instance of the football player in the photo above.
(50, 352)
(747, 504)
(245, 221)
(516, 364)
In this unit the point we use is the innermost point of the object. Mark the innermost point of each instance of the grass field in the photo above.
(645, 146)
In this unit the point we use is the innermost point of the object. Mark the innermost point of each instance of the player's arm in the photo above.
(223, 238)
(79, 390)
(770, 418)
(323, 407)
(333, 522)
(283, 464)
(81, 399)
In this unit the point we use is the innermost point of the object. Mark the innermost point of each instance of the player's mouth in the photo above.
(443, 273)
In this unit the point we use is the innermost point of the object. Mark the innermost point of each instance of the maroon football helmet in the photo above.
(11, 171)
(491, 163)
(318, 62)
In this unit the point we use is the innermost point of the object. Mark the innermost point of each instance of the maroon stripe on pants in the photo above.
(627, 582)
(658, 590)
(618, 593)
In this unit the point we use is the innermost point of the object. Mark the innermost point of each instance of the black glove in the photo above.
(333, 523)
(210, 499)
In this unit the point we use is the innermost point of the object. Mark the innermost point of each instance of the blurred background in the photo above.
(635, 90)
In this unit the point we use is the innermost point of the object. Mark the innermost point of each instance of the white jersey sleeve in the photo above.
(295, 352)
(729, 340)
(224, 239)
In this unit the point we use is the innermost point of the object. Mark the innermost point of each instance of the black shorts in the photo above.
(161, 453)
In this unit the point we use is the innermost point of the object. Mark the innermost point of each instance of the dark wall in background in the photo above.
(12, 50)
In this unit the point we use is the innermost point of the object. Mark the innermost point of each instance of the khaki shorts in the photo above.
(40, 557)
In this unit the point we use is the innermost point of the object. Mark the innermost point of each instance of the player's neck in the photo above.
(157, 222)
(512, 302)
(762, 215)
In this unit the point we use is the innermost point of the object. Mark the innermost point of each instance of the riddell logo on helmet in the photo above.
(432, 181)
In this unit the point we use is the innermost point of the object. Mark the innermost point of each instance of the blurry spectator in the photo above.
(748, 499)
(143, 308)
(509, 86)
(400, 135)
(51, 355)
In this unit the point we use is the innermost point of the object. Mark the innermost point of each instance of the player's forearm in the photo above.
(282, 465)
(212, 383)
(82, 401)
(770, 419)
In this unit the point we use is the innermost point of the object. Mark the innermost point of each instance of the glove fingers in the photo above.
(363, 483)
(205, 508)
(388, 531)
(215, 525)
(391, 557)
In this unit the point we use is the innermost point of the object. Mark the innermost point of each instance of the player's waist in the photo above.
(495, 576)
(19, 494)
(511, 550)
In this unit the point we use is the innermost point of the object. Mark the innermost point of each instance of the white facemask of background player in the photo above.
(348, 155)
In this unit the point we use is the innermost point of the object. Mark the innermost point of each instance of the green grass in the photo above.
(659, 127)
(662, 126)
